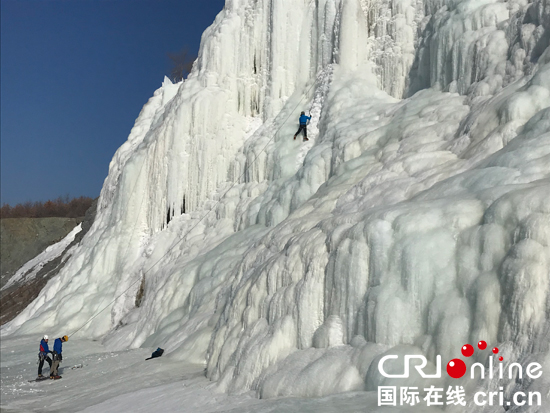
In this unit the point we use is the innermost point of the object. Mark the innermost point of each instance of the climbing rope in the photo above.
(203, 217)
(127, 247)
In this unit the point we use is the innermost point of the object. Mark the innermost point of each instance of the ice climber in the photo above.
(43, 355)
(57, 357)
(303, 125)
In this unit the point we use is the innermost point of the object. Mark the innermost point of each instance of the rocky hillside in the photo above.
(25, 238)
(22, 240)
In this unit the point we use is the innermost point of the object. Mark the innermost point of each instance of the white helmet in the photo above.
(45, 337)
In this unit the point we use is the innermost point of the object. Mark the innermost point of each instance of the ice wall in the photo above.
(403, 225)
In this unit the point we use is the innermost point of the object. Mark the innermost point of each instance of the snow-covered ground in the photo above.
(416, 220)
(123, 381)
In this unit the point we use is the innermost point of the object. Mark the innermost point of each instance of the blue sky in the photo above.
(74, 76)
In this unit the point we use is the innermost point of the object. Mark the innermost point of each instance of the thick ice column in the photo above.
(479, 48)
(352, 36)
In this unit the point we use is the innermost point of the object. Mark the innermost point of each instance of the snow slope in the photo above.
(29, 270)
(121, 381)
(416, 219)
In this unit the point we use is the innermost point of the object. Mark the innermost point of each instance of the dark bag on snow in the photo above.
(157, 353)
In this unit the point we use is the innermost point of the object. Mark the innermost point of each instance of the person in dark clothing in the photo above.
(57, 357)
(43, 355)
(303, 125)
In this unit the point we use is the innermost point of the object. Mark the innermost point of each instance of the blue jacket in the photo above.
(44, 349)
(57, 346)
(304, 119)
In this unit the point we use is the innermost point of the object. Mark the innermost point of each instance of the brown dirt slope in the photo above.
(22, 239)
(22, 235)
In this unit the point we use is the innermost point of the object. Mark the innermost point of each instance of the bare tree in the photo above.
(182, 64)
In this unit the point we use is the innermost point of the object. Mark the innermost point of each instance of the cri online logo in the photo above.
(456, 368)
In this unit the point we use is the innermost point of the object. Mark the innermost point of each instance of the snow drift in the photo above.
(416, 219)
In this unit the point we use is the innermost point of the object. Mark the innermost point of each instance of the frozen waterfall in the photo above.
(414, 221)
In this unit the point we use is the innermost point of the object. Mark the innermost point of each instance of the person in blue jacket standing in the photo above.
(303, 125)
(43, 355)
(57, 357)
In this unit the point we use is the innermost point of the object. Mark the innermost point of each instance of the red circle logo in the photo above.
(456, 368)
(467, 350)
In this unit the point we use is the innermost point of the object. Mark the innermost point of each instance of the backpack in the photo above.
(157, 353)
